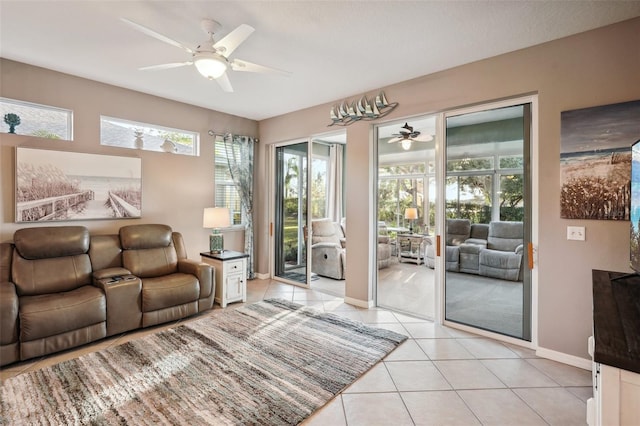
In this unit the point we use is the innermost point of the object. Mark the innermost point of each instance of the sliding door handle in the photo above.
(438, 245)
(530, 255)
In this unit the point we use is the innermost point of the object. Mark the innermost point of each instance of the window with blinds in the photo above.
(226, 194)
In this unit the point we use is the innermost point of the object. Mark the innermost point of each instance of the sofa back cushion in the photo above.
(480, 231)
(458, 230)
(105, 252)
(326, 231)
(50, 259)
(148, 250)
(505, 236)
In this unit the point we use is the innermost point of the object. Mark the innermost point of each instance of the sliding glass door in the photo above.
(487, 231)
(406, 199)
(290, 213)
(308, 192)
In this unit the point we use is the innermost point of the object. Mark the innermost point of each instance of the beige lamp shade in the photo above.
(216, 217)
(411, 213)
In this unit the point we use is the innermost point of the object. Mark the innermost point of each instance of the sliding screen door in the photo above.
(488, 221)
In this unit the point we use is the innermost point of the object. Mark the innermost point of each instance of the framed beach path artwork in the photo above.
(61, 186)
(595, 161)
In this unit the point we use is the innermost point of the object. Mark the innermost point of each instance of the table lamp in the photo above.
(412, 214)
(216, 218)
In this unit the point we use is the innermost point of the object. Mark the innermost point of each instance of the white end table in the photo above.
(230, 270)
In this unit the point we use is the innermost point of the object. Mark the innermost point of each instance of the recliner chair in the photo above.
(173, 286)
(328, 249)
(51, 272)
(503, 256)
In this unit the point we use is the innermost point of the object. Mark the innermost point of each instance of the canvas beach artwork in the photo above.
(595, 161)
(61, 186)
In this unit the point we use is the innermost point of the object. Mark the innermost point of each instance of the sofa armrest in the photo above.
(8, 313)
(520, 249)
(325, 245)
(202, 271)
(110, 273)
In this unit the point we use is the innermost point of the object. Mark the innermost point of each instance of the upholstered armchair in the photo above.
(328, 249)
(503, 256)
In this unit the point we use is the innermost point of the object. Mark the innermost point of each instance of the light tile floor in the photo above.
(439, 376)
(444, 376)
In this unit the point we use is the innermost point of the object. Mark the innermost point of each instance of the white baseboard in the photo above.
(576, 361)
(261, 276)
(359, 303)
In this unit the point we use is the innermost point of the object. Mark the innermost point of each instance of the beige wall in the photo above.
(594, 68)
(175, 188)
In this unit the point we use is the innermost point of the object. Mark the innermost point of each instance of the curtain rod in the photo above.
(225, 134)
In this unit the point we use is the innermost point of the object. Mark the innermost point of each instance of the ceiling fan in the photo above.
(211, 58)
(407, 135)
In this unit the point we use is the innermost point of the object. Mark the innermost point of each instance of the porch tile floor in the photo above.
(439, 376)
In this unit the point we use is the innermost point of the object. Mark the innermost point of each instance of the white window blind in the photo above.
(226, 194)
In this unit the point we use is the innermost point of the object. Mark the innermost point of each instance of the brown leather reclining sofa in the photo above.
(61, 288)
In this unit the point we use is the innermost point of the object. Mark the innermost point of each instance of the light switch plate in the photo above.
(576, 233)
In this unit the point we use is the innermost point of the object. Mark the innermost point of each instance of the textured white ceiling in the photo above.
(333, 49)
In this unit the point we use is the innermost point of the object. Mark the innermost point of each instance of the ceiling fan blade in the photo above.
(224, 83)
(396, 139)
(423, 137)
(240, 65)
(165, 66)
(231, 41)
(155, 35)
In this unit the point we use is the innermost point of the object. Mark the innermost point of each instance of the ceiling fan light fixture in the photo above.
(406, 144)
(210, 65)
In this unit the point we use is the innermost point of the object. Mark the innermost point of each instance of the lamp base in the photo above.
(216, 243)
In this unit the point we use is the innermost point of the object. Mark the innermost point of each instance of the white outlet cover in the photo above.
(576, 233)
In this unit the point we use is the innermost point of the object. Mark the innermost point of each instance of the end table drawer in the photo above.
(233, 266)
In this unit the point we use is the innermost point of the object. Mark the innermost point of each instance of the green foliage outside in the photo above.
(45, 134)
(511, 197)
(175, 137)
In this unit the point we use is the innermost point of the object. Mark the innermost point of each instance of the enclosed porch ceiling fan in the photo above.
(407, 135)
(211, 58)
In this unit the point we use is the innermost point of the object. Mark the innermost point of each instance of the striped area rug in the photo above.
(269, 363)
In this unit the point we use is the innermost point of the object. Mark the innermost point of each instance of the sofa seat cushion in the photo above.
(50, 314)
(499, 264)
(170, 290)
